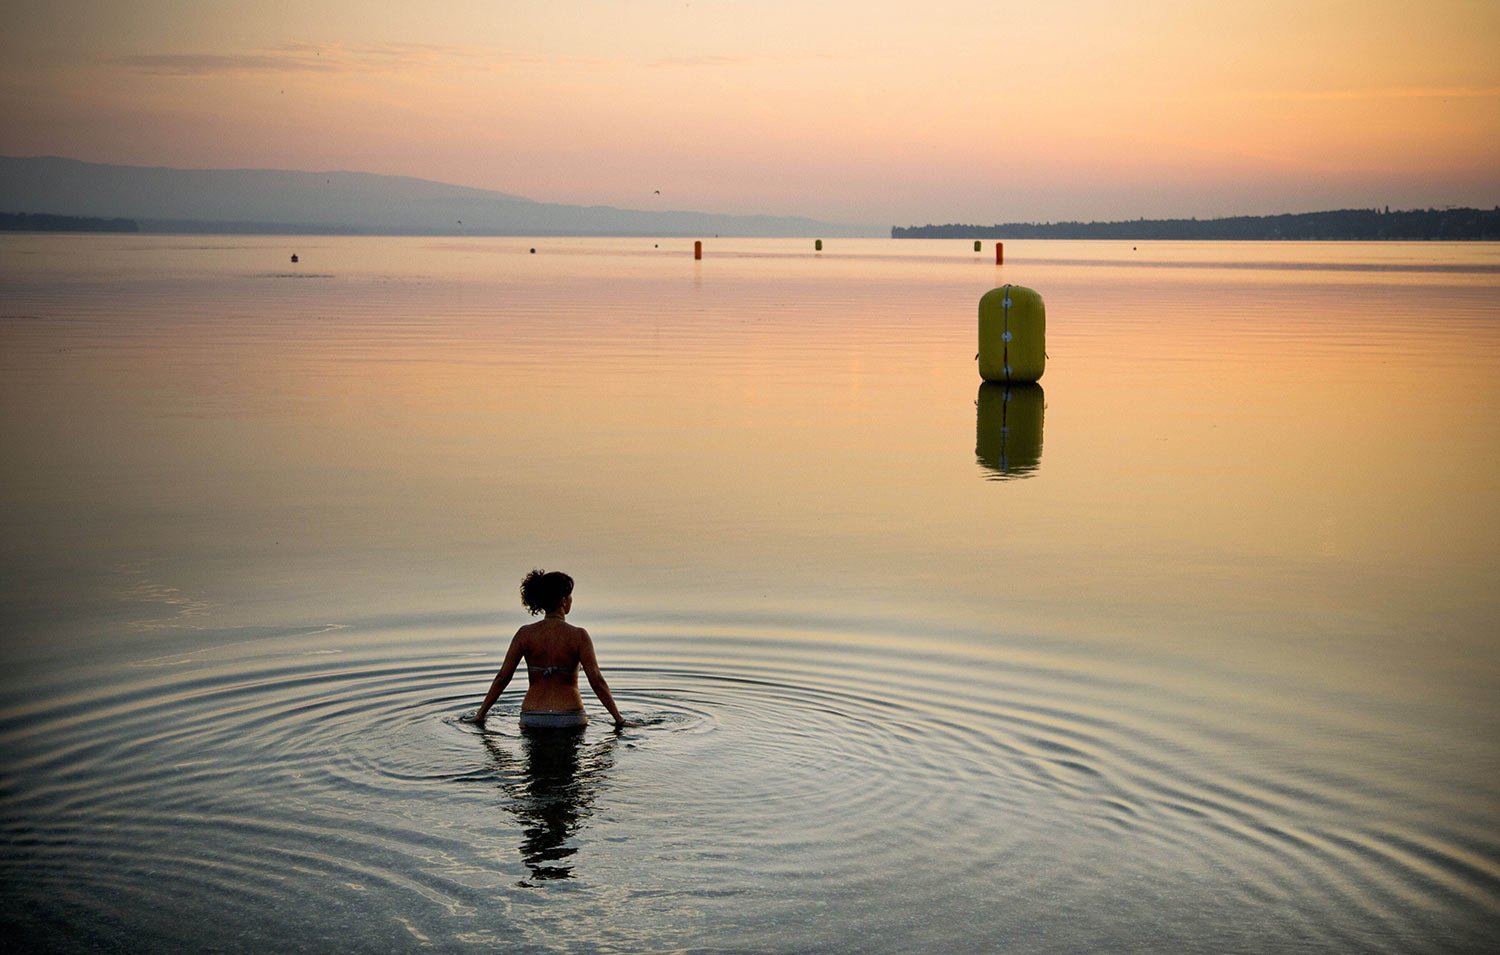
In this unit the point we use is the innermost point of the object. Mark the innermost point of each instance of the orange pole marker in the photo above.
(999, 253)
(698, 250)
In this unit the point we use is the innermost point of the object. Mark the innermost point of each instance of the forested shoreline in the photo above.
(1344, 224)
(41, 222)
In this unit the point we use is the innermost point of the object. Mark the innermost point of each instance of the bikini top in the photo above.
(552, 671)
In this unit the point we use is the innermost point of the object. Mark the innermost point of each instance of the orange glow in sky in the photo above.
(872, 112)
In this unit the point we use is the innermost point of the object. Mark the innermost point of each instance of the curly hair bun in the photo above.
(543, 591)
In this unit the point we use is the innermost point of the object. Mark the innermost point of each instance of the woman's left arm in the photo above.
(590, 664)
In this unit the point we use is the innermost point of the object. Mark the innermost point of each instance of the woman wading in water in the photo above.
(553, 650)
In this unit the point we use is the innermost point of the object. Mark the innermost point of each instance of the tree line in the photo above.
(42, 222)
(1343, 224)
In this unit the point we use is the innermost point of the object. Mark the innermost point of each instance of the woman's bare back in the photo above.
(553, 650)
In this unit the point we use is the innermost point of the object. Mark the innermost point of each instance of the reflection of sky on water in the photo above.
(409, 432)
(1238, 628)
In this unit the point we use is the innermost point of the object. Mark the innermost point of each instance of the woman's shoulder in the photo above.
(528, 633)
(551, 630)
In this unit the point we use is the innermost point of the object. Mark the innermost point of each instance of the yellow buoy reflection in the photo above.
(1009, 431)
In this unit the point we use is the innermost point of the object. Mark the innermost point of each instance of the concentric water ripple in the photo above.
(323, 784)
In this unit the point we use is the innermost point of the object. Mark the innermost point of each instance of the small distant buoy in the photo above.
(977, 245)
(818, 246)
(698, 249)
(999, 253)
(294, 258)
(533, 251)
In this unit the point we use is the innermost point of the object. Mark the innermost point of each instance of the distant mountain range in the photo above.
(344, 203)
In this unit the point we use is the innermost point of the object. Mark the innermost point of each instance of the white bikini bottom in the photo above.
(552, 719)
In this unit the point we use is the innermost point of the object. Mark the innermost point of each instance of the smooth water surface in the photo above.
(1190, 648)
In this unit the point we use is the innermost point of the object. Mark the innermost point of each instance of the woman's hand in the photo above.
(475, 717)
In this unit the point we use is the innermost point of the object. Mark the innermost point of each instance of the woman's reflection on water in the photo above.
(551, 789)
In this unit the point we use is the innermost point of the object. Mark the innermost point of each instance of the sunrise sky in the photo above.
(861, 112)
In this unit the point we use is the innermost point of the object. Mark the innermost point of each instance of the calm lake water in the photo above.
(1197, 654)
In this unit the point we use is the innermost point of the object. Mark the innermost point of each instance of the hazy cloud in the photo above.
(1413, 92)
(704, 60)
(314, 58)
(723, 60)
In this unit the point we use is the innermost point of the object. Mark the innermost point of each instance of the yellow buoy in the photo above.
(1008, 438)
(1012, 335)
